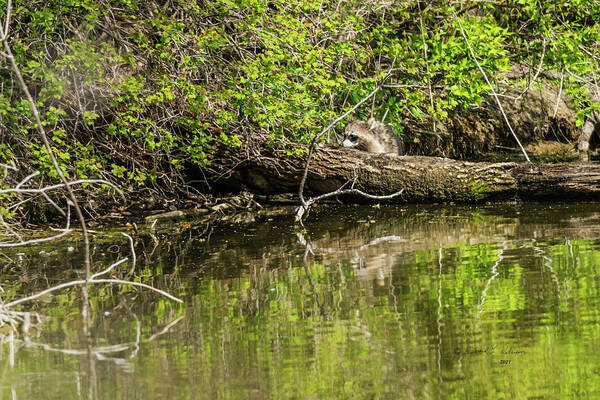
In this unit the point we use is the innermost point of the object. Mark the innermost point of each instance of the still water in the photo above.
(423, 302)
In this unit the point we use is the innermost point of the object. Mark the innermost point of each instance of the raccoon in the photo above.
(372, 136)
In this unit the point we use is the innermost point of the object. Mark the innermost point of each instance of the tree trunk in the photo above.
(424, 179)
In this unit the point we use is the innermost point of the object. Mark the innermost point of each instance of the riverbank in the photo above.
(167, 101)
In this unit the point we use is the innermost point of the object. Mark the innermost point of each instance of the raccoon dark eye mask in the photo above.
(372, 136)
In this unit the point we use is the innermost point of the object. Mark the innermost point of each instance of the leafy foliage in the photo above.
(138, 90)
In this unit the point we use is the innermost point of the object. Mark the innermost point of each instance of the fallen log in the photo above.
(424, 179)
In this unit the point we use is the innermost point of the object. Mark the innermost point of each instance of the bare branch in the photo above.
(301, 211)
(26, 179)
(82, 282)
(132, 251)
(489, 83)
(562, 78)
(304, 204)
(539, 69)
(7, 21)
(44, 137)
(9, 229)
(64, 232)
(383, 239)
(43, 190)
(115, 348)
(36, 241)
(9, 316)
(582, 79)
(399, 85)
(304, 207)
(165, 329)
(49, 200)
(44, 292)
(358, 192)
(9, 166)
(110, 268)
(61, 185)
(426, 64)
(143, 285)
(495, 273)
(316, 138)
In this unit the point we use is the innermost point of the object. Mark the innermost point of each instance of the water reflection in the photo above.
(390, 302)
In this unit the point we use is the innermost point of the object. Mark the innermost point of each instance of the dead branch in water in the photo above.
(300, 211)
(305, 205)
(7, 315)
(42, 132)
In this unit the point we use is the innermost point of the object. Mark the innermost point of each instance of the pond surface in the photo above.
(425, 302)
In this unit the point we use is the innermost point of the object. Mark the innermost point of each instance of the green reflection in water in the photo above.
(397, 302)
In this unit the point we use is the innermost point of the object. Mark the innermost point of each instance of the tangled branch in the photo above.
(301, 211)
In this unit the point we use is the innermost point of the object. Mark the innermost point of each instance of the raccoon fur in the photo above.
(372, 136)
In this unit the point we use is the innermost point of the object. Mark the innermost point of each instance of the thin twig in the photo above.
(115, 348)
(300, 211)
(99, 352)
(495, 273)
(26, 179)
(7, 21)
(83, 282)
(562, 77)
(165, 329)
(582, 79)
(358, 192)
(44, 292)
(316, 138)
(488, 82)
(304, 204)
(110, 268)
(64, 232)
(426, 65)
(539, 69)
(132, 251)
(9, 229)
(63, 178)
(400, 85)
(143, 285)
(62, 185)
(11, 166)
(49, 200)
(36, 241)
(43, 190)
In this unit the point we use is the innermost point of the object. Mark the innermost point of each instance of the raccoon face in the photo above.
(352, 140)
(355, 134)
(371, 136)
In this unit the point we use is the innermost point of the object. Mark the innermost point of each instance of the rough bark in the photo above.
(424, 179)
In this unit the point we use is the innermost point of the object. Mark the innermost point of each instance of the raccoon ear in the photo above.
(372, 122)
